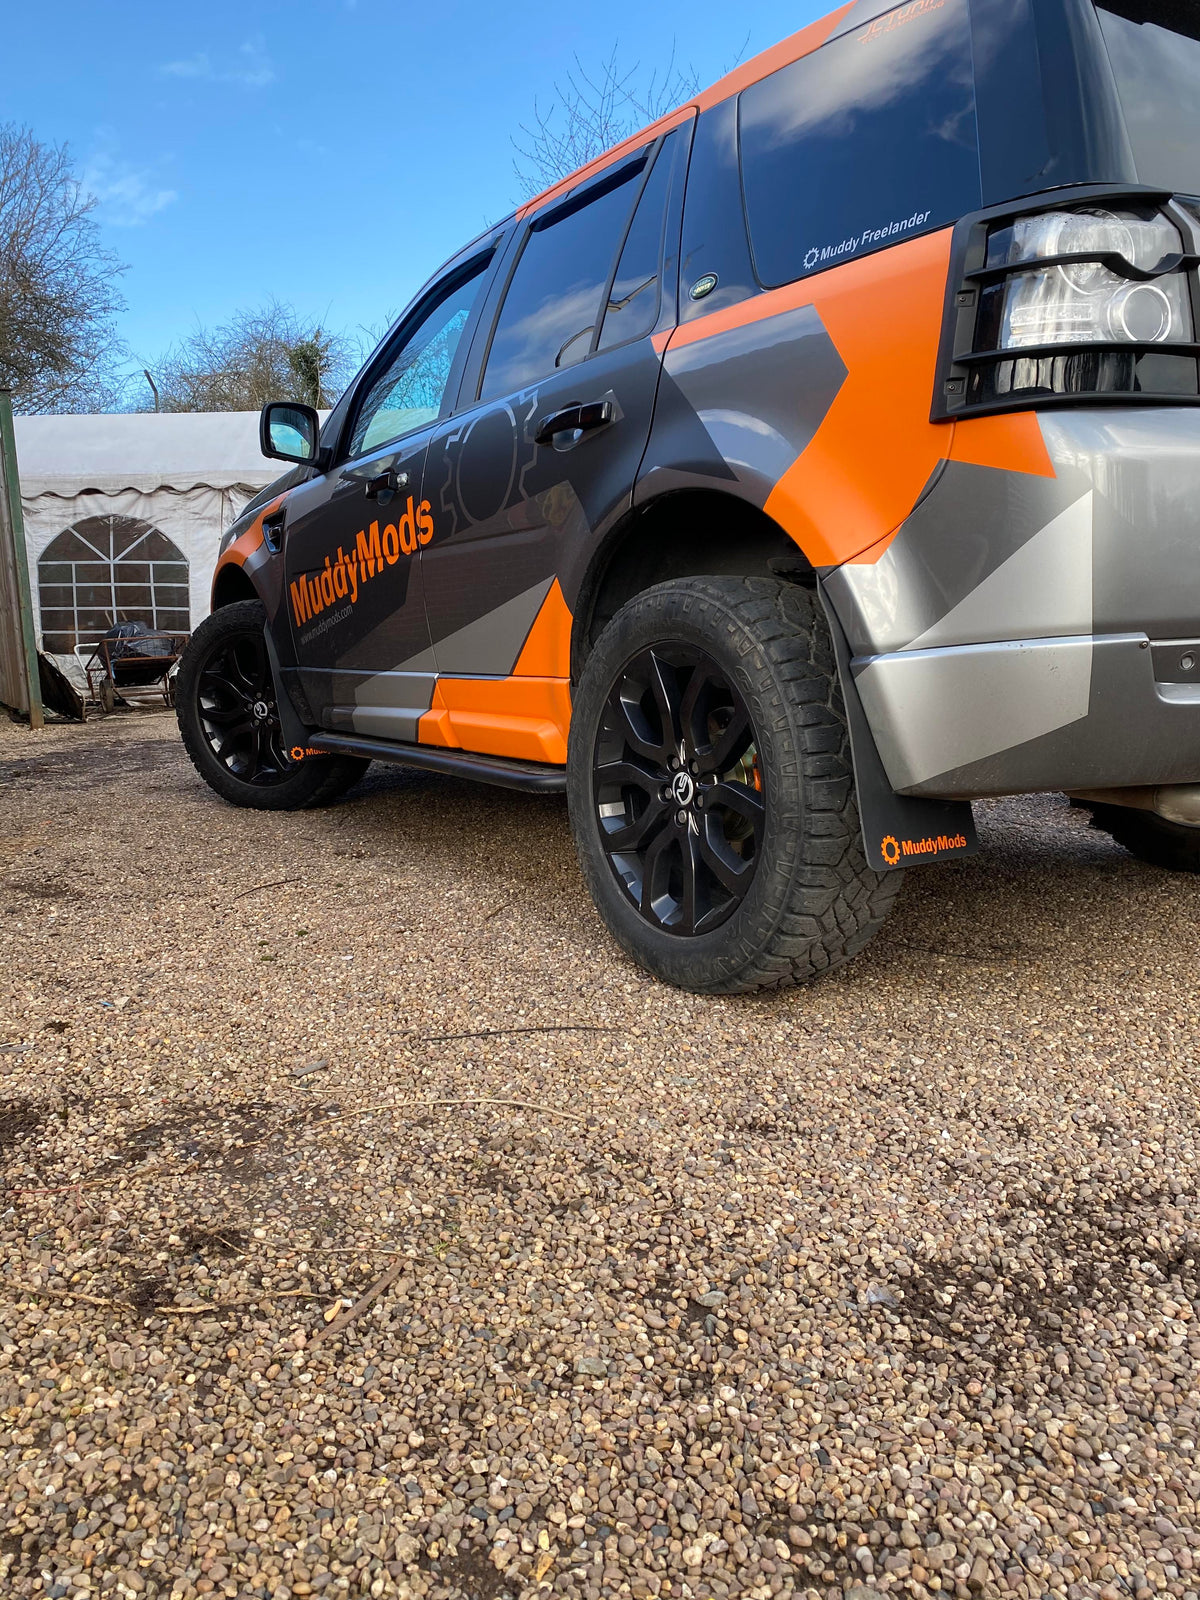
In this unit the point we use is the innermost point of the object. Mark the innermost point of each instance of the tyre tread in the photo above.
(829, 903)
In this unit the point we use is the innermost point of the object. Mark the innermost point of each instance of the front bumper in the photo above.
(1026, 632)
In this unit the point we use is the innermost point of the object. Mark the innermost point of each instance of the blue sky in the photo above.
(328, 155)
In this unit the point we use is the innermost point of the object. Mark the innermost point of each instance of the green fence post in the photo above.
(14, 521)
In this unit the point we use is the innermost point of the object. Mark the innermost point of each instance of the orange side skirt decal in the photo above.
(523, 718)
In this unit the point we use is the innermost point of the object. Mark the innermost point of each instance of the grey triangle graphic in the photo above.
(489, 647)
(424, 662)
(1043, 590)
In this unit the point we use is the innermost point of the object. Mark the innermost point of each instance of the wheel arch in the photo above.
(685, 533)
(230, 583)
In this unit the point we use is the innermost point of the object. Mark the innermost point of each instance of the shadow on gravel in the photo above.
(94, 767)
(20, 1119)
(1084, 1257)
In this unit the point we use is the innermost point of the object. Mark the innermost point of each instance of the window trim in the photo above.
(480, 265)
(559, 211)
(652, 160)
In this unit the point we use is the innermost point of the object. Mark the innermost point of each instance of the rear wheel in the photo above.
(711, 788)
(225, 704)
(1151, 838)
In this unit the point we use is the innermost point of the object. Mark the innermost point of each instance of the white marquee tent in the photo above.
(124, 515)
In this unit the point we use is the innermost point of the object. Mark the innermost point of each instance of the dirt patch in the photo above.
(147, 1291)
(41, 889)
(471, 1575)
(216, 1243)
(20, 1120)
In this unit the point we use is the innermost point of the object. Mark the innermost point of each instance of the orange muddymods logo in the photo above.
(894, 850)
(374, 551)
(298, 753)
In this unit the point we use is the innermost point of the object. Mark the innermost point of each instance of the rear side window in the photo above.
(867, 141)
(549, 314)
(634, 297)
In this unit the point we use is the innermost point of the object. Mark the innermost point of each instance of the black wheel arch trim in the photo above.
(636, 524)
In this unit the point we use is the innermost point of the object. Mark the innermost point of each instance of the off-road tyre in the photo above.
(281, 783)
(1151, 838)
(813, 902)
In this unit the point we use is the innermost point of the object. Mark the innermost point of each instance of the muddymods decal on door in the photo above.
(345, 574)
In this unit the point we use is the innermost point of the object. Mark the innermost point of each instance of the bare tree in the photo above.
(270, 353)
(58, 296)
(592, 111)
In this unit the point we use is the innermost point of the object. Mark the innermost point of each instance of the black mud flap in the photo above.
(295, 734)
(899, 830)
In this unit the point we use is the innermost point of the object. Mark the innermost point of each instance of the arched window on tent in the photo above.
(104, 570)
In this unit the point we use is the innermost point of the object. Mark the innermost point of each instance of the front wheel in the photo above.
(229, 721)
(711, 788)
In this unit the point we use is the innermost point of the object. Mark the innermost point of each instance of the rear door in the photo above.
(353, 536)
(525, 481)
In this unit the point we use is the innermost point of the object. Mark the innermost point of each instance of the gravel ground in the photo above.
(886, 1286)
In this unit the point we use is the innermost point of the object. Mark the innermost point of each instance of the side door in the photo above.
(526, 480)
(353, 536)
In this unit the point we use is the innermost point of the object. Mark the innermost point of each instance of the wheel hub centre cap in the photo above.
(683, 788)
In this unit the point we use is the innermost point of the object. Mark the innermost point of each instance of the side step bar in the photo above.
(530, 776)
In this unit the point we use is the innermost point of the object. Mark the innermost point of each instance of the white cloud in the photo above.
(126, 193)
(249, 67)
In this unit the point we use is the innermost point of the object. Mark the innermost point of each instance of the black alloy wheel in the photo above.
(711, 788)
(678, 789)
(229, 720)
(238, 713)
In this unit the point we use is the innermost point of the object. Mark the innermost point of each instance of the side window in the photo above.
(633, 300)
(549, 314)
(867, 141)
(409, 391)
(714, 226)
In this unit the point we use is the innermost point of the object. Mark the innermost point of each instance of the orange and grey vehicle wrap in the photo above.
(249, 553)
(1014, 592)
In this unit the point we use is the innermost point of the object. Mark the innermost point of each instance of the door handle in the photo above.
(583, 418)
(388, 482)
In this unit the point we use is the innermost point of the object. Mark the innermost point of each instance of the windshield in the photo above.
(1154, 46)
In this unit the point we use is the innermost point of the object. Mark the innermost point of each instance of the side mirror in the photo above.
(290, 432)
